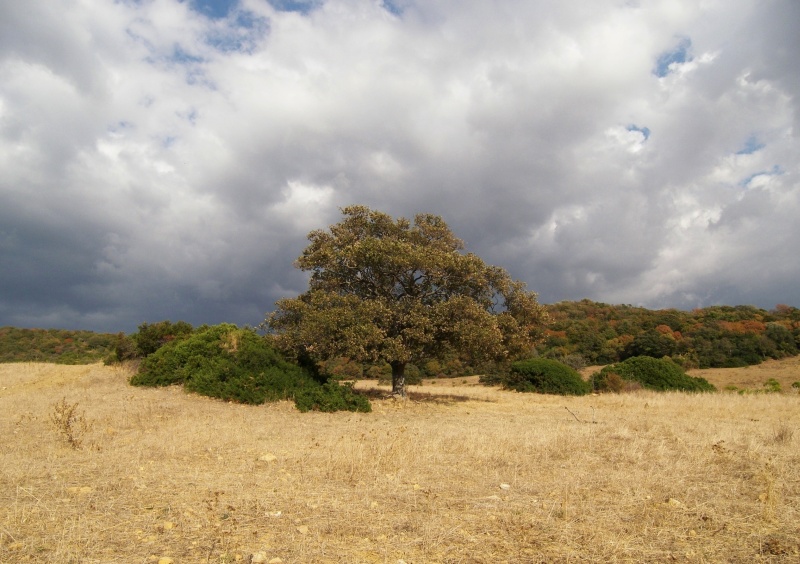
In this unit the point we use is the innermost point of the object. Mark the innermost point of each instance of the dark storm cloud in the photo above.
(166, 159)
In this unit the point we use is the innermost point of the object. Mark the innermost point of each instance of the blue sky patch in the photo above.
(179, 55)
(396, 7)
(680, 54)
(220, 9)
(243, 35)
(776, 170)
(750, 146)
(300, 6)
(215, 9)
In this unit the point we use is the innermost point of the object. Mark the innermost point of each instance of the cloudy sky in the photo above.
(165, 159)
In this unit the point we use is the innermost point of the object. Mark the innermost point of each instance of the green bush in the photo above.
(342, 368)
(652, 373)
(152, 336)
(378, 372)
(545, 376)
(124, 349)
(238, 365)
(331, 396)
(772, 386)
(217, 360)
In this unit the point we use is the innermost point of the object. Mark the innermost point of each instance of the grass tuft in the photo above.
(69, 423)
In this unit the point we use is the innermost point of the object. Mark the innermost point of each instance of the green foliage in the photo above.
(342, 368)
(222, 361)
(652, 343)
(574, 361)
(233, 364)
(545, 376)
(493, 378)
(718, 336)
(652, 373)
(124, 349)
(331, 396)
(782, 337)
(380, 371)
(413, 375)
(772, 386)
(389, 291)
(54, 345)
(152, 336)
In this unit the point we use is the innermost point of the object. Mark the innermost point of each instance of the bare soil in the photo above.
(459, 473)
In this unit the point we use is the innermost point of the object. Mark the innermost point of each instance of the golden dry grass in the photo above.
(460, 473)
(786, 371)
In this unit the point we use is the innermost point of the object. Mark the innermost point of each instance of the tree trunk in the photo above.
(398, 379)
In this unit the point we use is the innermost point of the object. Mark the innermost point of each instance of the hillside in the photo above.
(54, 345)
(580, 333)
(714, 337)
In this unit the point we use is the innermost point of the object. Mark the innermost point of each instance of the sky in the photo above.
(166, 159)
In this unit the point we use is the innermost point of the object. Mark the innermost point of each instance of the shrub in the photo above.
(612, 382)
(238, 365)
(651, 373)
(494, 373)
(772, 386)
(574, 360)
(545, 376)
(379, 372)
(124, 349)
(223, 361)
(412, 374)
(69, 423)
(432, 368)
(342, 368)
(331, 396)
(152, 336)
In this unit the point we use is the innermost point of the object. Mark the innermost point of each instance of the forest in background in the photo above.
(60, 346)
(712, 337)
(580, 333)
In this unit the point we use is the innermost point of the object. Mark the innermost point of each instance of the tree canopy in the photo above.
(384, 289)
(711, 337)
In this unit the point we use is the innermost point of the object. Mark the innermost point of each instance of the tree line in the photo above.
(58, 346)
(588, 332)
(579, 333)
(399, 298)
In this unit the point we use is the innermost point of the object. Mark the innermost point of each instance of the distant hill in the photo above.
(712, 337)
(580, 333)
(54, 345)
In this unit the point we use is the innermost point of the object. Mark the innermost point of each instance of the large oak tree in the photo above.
(394, 291)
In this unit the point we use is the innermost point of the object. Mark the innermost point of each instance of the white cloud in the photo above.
(159, 163)
(304, 204)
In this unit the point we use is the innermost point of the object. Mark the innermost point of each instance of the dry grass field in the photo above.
(460, 473)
